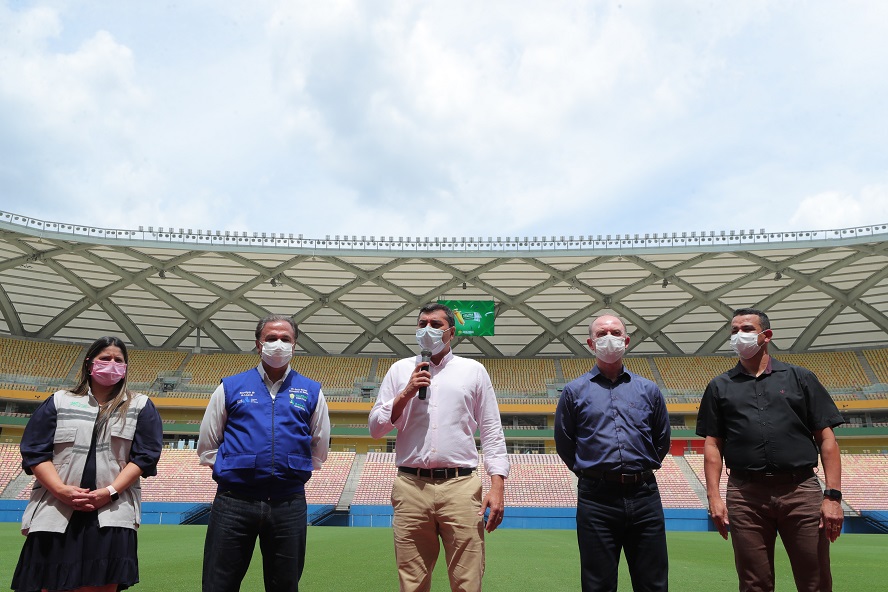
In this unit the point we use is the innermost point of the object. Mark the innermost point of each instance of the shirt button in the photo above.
(434, 426)
(434, 450)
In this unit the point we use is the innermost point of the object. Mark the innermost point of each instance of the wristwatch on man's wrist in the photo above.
(114, 495)
(833, 494)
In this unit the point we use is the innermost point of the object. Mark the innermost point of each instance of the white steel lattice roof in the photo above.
(354, 296)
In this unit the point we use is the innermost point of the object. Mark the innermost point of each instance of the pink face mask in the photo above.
(108, 372)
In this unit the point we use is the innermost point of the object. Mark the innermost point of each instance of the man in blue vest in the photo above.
(263, 433)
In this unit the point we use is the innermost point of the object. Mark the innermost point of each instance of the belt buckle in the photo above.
(626, 479)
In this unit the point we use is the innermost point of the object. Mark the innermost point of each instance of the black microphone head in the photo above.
(426, 355)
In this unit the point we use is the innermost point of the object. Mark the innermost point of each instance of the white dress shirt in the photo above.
(212, 428)
(440, 431)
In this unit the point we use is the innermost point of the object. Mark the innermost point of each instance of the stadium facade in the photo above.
(187, 301)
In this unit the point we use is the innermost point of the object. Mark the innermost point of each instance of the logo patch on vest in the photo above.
(298, 398)
(79, 405)
(247, 397)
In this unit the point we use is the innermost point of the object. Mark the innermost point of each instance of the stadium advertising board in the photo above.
(473, 317)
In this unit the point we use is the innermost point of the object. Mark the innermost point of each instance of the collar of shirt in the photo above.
(273, 387)
(447, 357)
(597, 375)
(739, 369)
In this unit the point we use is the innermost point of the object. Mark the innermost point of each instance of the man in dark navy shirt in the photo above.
(612, 430)
(768, 420)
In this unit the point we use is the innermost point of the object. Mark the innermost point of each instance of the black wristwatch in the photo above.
(116, 496)
(833, 494)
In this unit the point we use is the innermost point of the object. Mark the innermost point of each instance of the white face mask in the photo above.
(431, 339)
(610, 348)
(277, 354)
(745, 345)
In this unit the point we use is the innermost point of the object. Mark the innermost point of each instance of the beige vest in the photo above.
(76, 417)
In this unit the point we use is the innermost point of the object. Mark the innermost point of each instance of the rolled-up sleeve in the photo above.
(490, 427)
(37, 440)
(320, 432)
(212, 427)
(565, 429)
(148, 440)
(662, 431)
(380, 420)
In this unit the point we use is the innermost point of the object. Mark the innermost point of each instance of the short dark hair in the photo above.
(763, 318)
(433, 306)
(274, 318)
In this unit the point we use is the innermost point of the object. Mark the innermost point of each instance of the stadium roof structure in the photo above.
(182, 288)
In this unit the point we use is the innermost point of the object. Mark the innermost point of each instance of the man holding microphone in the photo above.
(437, 490)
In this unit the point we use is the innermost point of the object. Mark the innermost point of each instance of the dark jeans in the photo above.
(611, 517)
(758, 512)
(231, 537)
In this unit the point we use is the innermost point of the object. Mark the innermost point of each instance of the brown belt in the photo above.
(444, 473)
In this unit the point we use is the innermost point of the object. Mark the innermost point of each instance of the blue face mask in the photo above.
(431, 339)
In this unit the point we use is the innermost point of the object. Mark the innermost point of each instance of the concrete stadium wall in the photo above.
(12, 510)
(175, 512)
(152, 512)
(873, 522)
(536, 518)
(166, 512)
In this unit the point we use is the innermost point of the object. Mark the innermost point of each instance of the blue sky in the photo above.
(445, 118)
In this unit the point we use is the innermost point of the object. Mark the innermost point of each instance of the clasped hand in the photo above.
(83, 499)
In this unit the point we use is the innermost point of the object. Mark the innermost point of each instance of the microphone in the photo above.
(426, 358)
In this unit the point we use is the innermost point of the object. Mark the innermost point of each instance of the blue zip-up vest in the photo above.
(266, 447)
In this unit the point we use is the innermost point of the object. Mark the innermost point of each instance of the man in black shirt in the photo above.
(767, 420)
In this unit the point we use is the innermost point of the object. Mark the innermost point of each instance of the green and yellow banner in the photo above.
(473, 317)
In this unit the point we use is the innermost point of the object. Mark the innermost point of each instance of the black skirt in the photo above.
(85, 555)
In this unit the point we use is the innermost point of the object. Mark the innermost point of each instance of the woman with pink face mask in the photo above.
(87, 447)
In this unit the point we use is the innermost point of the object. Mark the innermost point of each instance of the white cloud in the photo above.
(67, 93)
(459, 118)
(835, 209)
(511, 116)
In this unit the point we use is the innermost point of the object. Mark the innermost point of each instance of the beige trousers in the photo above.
(426, 509)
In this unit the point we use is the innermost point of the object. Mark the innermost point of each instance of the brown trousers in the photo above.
(758, 511)
(426, 509)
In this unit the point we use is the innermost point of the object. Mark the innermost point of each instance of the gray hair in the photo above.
(272, 318)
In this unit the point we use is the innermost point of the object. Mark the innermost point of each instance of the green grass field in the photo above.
(362, 559)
